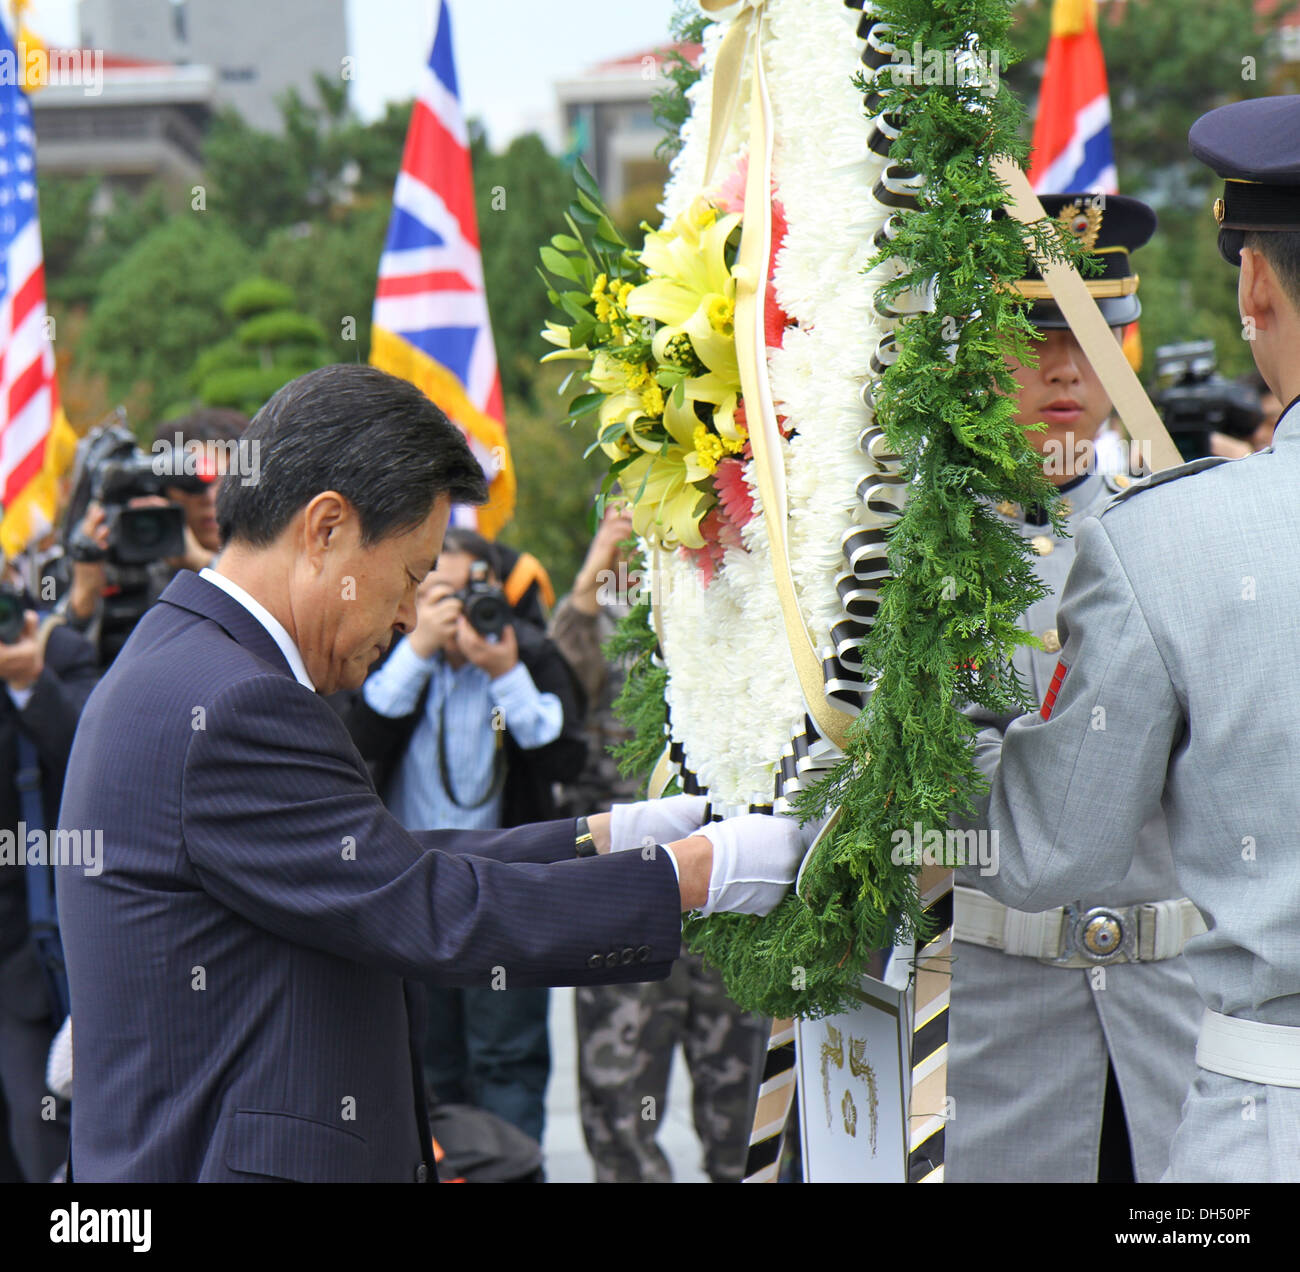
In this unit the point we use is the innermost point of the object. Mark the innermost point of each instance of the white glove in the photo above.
(755, 860)
(655, 821)
(58, 1064)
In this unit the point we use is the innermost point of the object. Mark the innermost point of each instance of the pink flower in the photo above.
(731, 198)
(720, 533)
(734, 496)
(731, 194)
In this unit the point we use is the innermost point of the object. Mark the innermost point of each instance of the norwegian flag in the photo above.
(29, 396)
(431, 314)
(1072, 149)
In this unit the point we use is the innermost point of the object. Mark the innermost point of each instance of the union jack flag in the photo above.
(29, 395)
(431, 314)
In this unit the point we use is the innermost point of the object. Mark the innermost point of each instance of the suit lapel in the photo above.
(189, 592)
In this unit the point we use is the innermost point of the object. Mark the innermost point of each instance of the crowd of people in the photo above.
(1085, 1044)
(495, 711)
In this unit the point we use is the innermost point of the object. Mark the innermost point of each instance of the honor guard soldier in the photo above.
(1175, 687)
(1087, 1006)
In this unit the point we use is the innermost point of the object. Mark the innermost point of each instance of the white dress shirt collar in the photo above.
(268, 620)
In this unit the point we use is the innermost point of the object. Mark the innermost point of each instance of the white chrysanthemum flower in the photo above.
(733, 694)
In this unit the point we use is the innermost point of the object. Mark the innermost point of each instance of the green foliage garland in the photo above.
(947, 625)
(640, 702)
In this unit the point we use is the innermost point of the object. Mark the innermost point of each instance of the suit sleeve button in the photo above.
(629, 955)
(643, 954)
(611, 959)
(595, 962)
(422, 1174)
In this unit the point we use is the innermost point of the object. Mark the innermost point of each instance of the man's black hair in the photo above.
(375, 439)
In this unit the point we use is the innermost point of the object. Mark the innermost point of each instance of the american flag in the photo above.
(431, 315)
(29, 396)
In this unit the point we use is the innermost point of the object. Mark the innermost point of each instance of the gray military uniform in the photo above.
(1030, 1043)
(1178, 625)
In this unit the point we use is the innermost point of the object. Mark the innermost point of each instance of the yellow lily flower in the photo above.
(692, 257)
(626, 402)
(722, 397)
(693, 290)
(667, 508)
(558, 335)
(670, 508)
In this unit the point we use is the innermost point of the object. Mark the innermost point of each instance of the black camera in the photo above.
(484, 605)
(1196, 400)
(112, 471)
(13, 604)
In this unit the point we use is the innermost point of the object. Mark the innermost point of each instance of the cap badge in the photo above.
(1081, 221)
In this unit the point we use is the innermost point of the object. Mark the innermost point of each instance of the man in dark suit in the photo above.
(511, 706)
(237, 967)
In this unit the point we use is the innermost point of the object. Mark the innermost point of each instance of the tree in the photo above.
(65, 207)
(80, 245)
(520, 197)
(272, 343)
(159, 304)
(332, 268)
(321, 160)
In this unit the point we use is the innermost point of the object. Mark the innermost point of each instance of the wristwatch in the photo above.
(585, 845)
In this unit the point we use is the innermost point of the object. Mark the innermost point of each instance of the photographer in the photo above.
(47, 672)
(466, 725)
(119, 569)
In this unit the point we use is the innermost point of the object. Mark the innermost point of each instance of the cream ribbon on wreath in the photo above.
(751, 270)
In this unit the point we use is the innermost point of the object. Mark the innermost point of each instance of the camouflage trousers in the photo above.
(626, 1038)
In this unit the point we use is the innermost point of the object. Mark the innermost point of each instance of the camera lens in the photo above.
(488, 613)
(146, 529)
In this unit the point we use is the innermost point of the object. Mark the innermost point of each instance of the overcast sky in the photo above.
(509, 53)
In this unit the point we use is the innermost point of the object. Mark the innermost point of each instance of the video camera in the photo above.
(112, 470)
(484, 605)
(1195, 400)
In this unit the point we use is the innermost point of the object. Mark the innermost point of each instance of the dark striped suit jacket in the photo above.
(237, 967)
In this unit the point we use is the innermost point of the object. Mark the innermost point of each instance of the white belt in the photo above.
(1071, 937)
(1249, 1050)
